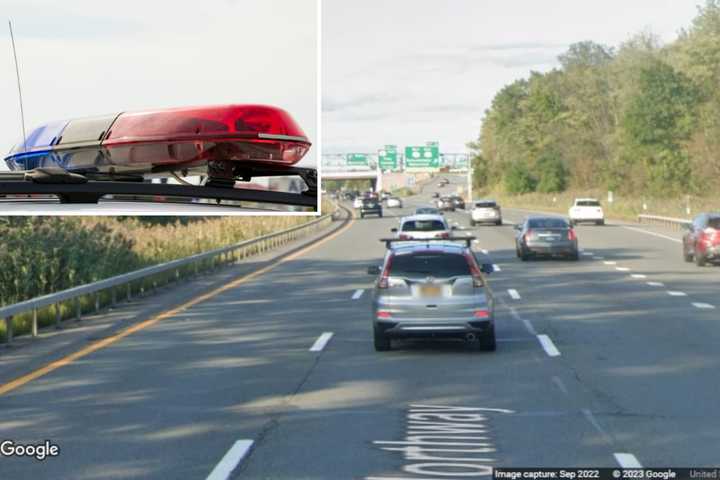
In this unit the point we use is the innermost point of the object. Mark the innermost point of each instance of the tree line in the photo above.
(641, 117)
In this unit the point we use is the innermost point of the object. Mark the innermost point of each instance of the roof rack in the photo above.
(76, 188)
(389, 241)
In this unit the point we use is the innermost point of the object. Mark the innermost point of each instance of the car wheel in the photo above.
(499, 222)
(381, 341)
(524, 256)
(487, 341)
(380, 215)
(362, 215)
(699, 259)
(600, 222)
(686, 256)
(574, 257)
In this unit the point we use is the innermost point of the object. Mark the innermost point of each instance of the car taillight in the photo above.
(528, 235)
(571, 234)
(384, 281)
(443, 235)
(404, 237)
(383, 314)
(481, 313)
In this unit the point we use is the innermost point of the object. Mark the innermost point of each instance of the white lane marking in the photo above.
(484, 251)
(231, 460)
(593, 421)
(497, 268)
(639, 276)
(627, 460)
(656, 284)
(321, 342)
(548, 346)
(610, 263)
(704, 306)
(589, 254)
(560, 384)
(596, 257)
(514, 294)
(673, 293)
(622, 269)
(653, 234)
(517, 316)
(358, 293)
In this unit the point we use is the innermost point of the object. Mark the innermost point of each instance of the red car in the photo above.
(702, 241)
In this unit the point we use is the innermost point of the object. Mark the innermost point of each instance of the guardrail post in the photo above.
(9, 329)
(34, 327)
(58, 316)
(97, 302)
(113, 297)
(78, 309)
(129, 292)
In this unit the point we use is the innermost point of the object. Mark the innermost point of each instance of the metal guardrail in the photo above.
(229, 254)
(676, 223)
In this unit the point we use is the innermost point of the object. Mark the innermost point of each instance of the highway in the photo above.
(609, 361)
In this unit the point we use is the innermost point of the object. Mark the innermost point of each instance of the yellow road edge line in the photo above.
(66, 360)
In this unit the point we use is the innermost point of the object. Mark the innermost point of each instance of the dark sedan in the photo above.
(371, 206)
(549, 236)
(458, 201)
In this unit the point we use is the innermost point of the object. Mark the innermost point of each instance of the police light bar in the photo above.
(164, 140)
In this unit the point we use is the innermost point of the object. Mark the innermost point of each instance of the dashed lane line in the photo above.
(358, 293)
(703, 306)
(548, 346)
(514, 294)
(674, 293)
(627, 460)
(320, 343)
(231, 460)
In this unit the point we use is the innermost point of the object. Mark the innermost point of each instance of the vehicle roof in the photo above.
(545, 217)
(587, 199)
(423, 216)
(434, 246)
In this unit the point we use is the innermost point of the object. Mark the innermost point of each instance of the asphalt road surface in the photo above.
(609, 361)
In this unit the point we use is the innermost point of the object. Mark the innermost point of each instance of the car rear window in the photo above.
(486, 204)
(435, 264)
(430, 211)
(587, 203)
(547, 223)
(423, 226)
(369, 202)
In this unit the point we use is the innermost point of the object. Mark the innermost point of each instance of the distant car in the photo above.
(394, 202)
(371, 206)
(458, 201)
(435, 195)
(445, 204)
(586, 210)
(443, 182)
(358, 202)
(486, 211)
(422, 227)
(549, 236)
(434, 289)
(702, 240)
(384, 195)
(427, 211)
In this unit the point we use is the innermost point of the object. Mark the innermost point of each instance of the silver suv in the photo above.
(432, 289)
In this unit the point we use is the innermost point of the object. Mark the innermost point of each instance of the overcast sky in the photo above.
(82, 57)
(409, 71)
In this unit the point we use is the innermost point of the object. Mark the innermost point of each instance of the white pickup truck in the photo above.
(586, 210)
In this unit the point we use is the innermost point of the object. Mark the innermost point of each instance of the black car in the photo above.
(371, 206)
(549, 236)
(702, 240)
(458, 201)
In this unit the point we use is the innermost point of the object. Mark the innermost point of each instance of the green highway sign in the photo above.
(356, 160)
(427, 157)
(388, 158)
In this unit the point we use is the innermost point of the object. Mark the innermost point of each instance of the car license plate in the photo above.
(430, 291)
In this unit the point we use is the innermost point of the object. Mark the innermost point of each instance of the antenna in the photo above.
(17, 72)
